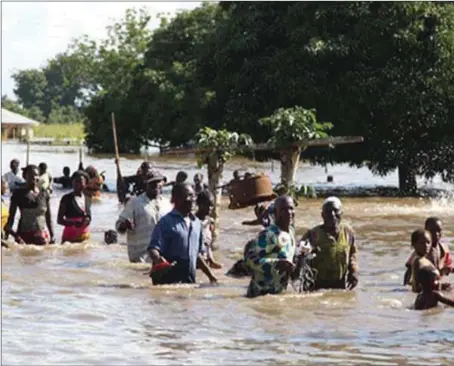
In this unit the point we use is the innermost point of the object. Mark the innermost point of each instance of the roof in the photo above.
(14, 118)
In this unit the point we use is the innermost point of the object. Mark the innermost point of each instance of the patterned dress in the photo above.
(271, 245)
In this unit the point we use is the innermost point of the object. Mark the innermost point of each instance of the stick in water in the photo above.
(121, 189)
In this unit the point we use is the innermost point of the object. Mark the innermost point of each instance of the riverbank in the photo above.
(58, 134)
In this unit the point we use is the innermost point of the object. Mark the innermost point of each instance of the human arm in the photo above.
(251, 222)
(202, 264)
(443, 299)
(352, 275)
(201, 261)
(49, 224)
(407, 275)
(126, 218)
(157, 244)
(62, 212)
(12, 214)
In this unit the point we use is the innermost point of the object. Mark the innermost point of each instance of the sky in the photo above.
(33, 32)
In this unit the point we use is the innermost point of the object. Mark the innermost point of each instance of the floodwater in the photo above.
(85, 304)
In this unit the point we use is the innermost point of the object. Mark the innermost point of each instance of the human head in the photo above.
(183, 198)
(198, 178)
(42, 167)
(155, 181)
(205, 203)
(14, 165)
(110, 237)
(91, 171)
(420, 240)
(181, 177)
(236, 174)
(332, 212)
(79, 180)
(66, 171)
(428, 278)
(284, 212)
(31, 174)
(435, 227)
(144, 168)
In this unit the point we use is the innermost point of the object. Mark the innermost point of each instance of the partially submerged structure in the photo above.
(16, 126)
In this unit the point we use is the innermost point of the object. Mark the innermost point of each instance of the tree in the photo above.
(30, 87)
(114, 62)
(214, 149)
(166, 98)
(290, 127)
(388, 76)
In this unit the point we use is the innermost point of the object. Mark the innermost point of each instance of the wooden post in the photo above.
(28, 152)
(121, 189)
(80, 155)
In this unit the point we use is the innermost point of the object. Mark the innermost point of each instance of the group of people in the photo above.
(30, 194)
(178, 239)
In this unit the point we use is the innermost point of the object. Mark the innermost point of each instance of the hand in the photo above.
(126, 225)
(352, 280)
(129, 225)
(86, 221)
(285, 266)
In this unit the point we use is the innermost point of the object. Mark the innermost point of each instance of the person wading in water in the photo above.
(35, 213)
(270, 256)
(74, 212)
(335, 263)
(178, 240)
(140, 216)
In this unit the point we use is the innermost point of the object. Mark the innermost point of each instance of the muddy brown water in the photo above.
(85, 304)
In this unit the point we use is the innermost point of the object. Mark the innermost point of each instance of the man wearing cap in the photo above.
(13, 180)
(134, 184)
(140, 216)
(334, 242)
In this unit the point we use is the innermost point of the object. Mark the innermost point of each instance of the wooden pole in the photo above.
(114, 130)
(337, 140)
(80, 155)
(28, 152)
(121, 189)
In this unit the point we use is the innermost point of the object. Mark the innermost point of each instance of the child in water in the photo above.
(205, 203)
(421, 242)
(439, 254)
(429, 297)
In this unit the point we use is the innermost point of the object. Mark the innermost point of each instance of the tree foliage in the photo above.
(293, 125)
(381, 70)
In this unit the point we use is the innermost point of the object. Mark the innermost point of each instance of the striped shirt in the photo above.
(144, 214)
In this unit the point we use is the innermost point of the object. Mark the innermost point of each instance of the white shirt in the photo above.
(45, 182)
(144, 214)
(13, 180)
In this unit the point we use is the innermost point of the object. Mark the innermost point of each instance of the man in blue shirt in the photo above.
(178, 239)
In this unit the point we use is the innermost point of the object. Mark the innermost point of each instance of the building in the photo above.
(15, 126)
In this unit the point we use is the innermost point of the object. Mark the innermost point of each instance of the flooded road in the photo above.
(85, 304)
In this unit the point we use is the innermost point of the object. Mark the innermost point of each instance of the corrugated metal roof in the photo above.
(17, 119)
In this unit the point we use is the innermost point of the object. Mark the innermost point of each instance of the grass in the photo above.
(59, 132)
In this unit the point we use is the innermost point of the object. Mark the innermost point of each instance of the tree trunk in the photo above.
(289, 164)
(215, 169)
(407, 180)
